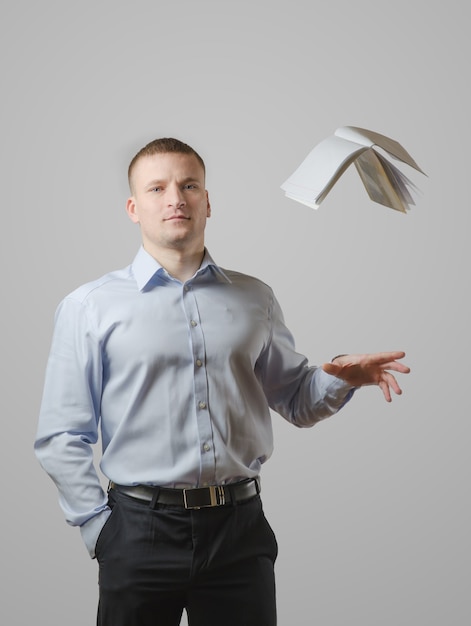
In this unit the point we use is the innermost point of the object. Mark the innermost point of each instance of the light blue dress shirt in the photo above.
(178, 378)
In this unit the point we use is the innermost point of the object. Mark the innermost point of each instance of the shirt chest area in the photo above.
(173, 325)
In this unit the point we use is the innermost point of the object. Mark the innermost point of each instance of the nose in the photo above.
(175, 197)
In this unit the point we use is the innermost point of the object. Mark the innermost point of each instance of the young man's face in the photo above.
(169, 202)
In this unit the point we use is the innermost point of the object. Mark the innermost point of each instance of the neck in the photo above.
(179, 264)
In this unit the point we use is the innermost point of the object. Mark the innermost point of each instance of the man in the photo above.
(178, 363)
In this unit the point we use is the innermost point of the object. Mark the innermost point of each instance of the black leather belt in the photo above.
(193, 498)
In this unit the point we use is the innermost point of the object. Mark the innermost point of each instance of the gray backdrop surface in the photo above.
(373, 523)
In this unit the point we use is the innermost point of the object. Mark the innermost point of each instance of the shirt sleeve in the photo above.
(69, 416)
(301, 393)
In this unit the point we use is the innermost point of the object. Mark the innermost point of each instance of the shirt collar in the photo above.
(145, 268)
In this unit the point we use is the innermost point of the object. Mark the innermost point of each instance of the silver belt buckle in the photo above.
(216, 497)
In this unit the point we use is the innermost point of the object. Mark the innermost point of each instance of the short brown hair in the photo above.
(163, 146)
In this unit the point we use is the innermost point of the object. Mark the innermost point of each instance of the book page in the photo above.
(380, 187)
(400, 181)
(370, 138)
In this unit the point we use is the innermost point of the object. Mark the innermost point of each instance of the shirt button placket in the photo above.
(200, 385)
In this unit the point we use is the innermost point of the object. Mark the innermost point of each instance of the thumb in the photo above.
(331, 368)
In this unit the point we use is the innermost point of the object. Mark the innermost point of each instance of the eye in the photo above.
(190, 186)
(156, 189)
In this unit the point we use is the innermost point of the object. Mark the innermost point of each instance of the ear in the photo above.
(131, 210)
(208, 206)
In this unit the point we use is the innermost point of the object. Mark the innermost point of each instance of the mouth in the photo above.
(176, 218)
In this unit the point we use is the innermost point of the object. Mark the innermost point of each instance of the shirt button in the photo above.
(186, 288)
(193, 323)
(206, 447)
(199, 362)
(202, 404)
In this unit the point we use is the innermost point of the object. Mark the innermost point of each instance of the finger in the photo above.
(392, 383)
(383, 385)
(397, 367)
(385, 357)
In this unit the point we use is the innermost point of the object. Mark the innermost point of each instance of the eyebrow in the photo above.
(159, 181)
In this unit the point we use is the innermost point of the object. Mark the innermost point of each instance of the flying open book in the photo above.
(324, 165)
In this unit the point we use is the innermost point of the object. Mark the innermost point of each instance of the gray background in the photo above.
(371, 508)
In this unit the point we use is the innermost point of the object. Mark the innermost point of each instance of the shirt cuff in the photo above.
(91, 530)
(339, 388)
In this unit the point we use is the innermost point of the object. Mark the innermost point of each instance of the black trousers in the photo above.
(215, 563)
